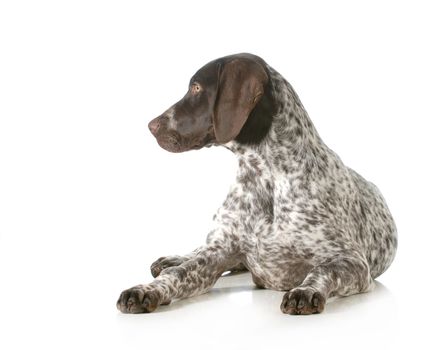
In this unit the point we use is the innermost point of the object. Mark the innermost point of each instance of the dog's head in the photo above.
(229, 98)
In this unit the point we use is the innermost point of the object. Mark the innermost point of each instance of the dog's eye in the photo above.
(195, 88)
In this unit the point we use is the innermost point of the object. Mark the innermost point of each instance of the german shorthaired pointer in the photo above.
(297, 218)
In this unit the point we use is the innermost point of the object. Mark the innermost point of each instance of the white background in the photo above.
(88, 199)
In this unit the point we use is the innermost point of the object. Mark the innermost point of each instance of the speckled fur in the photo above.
(297, 218)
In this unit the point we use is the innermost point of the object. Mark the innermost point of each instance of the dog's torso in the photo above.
(295, 204)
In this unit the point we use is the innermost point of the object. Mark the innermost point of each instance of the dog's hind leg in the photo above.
(168, 261)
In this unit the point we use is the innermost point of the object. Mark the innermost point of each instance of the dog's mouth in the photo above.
(198, 145)
(171, 144)
(176, 144)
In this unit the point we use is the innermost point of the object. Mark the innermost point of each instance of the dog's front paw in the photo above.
(165, 262)
(139, 299)
(302, 301)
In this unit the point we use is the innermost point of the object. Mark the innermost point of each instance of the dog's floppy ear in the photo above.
(240, 87)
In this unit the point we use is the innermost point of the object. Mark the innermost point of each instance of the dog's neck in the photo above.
(292, 144)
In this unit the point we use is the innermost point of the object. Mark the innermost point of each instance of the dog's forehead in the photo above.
(207, 74)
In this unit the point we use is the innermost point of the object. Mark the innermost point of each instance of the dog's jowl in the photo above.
(297, 218)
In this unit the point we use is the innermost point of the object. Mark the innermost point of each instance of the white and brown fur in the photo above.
(297, 218)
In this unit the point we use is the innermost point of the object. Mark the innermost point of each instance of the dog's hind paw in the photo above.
(161, 263)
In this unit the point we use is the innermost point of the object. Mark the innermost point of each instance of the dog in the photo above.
(297, 218)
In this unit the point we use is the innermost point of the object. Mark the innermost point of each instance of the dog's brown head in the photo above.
(229, 98)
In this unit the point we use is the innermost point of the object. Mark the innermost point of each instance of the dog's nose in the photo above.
(154, 125)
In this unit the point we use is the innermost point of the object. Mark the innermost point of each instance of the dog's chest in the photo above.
(278, 259)
(277, 242)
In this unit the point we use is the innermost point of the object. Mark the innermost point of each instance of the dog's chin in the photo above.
(176, 147)
(171, 146)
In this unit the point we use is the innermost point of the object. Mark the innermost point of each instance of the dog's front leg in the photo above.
(341, 275)
(193, 277)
